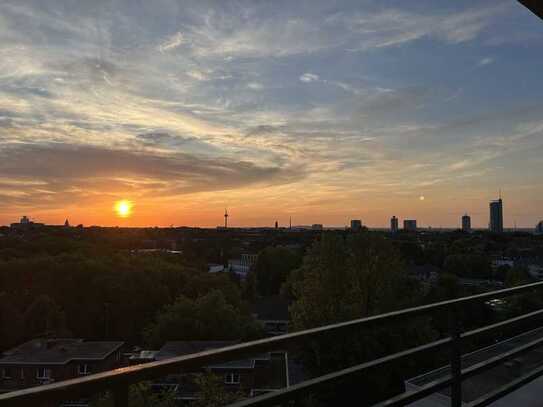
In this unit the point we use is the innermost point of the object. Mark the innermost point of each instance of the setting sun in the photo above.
(123, 208)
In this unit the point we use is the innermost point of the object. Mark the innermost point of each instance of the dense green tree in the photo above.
(44, 317)
(517, 276)
(342, 279)
(106, 295)
(525, 302)
(139, 395)
(447, 288)
(11, 322)
(272, 269)
(249, 292)
(209, 317)
(211, 392)
(468, 265)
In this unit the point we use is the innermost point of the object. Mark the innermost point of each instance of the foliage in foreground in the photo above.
(347, 278)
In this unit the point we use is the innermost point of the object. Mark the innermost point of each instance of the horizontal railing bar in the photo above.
(470, 371)
(412, 396)
(425, 390)
(106, 380)
(295, 391)
(502, 391)
(499, 359)
(502, 324)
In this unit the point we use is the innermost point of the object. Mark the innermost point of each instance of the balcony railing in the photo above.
(117, 381)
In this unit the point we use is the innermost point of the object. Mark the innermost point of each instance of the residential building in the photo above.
(251, 376)
(496, 216)
(410, 225)
(242, 266)
(498, 262)
(215, 268)
(427, 275)
(356, 225)
(394, 224)
(26, 223)
(142, 356)
(43, 361)
(317, 226)
(272, 313)
(539, 228)
(466, 223)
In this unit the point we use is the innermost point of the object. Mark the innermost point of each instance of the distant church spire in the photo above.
(66, 223)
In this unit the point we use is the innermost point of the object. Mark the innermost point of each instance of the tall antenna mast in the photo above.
(225, 218)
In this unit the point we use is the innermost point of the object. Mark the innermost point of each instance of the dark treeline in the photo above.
(64, 286)
(92, 283)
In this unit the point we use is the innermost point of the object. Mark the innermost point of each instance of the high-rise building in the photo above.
(356, 225)
(539, 228)
(466, 223)
(496, 216)
(394, 224)
(410, 225)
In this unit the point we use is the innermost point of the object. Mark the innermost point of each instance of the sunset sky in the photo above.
(320, 110)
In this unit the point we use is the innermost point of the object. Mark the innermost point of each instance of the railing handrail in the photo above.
(99, 382)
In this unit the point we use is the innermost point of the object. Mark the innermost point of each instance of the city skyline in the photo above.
(495, 221)
(316, 111)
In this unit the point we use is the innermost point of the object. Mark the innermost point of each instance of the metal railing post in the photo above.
(455, 357)
(120, 396)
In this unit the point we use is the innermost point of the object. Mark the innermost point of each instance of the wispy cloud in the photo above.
(255, 86)
(267, 101)
(485, 61)
(394, 27)
(63, 169)
(309, 77)
(172, 42)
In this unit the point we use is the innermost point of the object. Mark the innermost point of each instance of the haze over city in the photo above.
(157, 113)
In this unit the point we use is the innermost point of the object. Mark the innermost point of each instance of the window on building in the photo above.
(22, 373)
(43, 373)
(83, 369)
(231, 378)
(6, 373)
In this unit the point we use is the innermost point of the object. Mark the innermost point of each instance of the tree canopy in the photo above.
(210, 317)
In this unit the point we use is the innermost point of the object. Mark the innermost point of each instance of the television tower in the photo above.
(225, 219)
